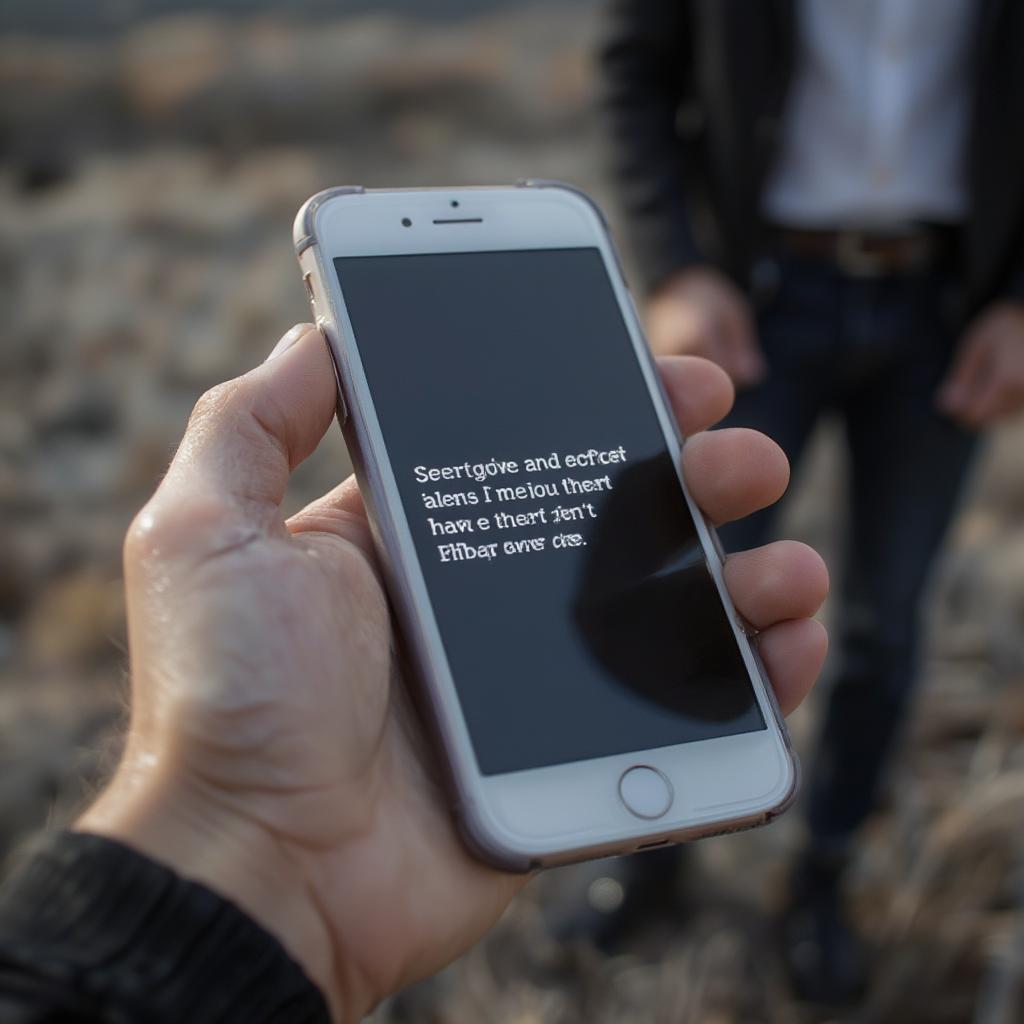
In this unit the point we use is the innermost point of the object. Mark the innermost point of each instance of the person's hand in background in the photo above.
(272, 753)
(986, 381)
(700, 312)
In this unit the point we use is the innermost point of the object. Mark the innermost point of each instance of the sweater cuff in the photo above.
(129, 939)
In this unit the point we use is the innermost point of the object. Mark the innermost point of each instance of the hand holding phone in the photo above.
(573, 646)
(272, 753)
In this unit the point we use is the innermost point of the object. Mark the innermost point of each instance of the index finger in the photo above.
(699, 391)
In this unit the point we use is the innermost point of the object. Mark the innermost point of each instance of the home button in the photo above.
(645, 791)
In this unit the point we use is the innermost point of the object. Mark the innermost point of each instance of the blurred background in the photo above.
(152, 156)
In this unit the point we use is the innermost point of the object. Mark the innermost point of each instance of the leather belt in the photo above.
(872, 254)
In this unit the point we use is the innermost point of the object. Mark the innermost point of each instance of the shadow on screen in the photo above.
(648, 607)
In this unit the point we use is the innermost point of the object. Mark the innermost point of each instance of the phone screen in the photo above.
(576, 608)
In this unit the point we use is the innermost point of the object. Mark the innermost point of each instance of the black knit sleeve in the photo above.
(91, 931)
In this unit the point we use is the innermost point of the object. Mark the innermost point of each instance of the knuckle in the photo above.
(142, 538)
(215, 401)
(169, 527)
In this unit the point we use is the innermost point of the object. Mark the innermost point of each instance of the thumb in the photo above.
(244, 438)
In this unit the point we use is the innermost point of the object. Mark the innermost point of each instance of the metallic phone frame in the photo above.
(441, 710)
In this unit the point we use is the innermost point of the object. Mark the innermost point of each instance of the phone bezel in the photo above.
(562, 812)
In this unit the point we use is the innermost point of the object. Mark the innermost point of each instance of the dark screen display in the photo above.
(573, 598)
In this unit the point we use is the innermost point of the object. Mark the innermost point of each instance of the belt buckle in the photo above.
(853, 260)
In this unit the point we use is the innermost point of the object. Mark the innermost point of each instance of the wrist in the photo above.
(201, 839)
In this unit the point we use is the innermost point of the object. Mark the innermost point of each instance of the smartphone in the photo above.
(560, 597)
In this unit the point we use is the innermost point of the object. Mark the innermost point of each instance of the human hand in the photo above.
(272, 754)
(986, 381)
(701, 312)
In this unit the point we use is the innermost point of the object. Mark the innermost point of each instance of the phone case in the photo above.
(477, 838)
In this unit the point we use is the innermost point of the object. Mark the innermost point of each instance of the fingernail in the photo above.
(287, 341)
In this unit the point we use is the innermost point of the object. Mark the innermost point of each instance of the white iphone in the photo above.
(559, 595)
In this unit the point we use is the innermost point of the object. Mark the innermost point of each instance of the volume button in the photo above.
(342, 409)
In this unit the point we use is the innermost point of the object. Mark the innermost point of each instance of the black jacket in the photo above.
(693, 94)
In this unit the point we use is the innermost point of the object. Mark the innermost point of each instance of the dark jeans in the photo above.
(873, 352)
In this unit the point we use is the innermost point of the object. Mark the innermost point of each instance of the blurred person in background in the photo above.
(826, 197)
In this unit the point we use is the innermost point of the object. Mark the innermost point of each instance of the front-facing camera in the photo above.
(406, 223)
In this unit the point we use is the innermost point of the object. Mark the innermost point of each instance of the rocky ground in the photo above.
(147, 188)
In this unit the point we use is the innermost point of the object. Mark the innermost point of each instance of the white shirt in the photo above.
(875, 129)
